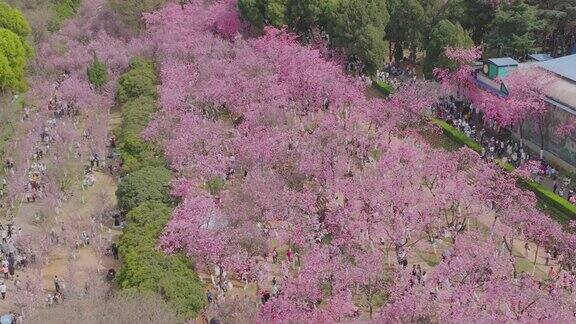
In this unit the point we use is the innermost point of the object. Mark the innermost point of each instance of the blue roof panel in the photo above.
(503, 61)
(564, 66)
(540, 57)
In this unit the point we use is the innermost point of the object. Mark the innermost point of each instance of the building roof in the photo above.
(503, 61)
(540, 57)
(564, 92)
(563, 66)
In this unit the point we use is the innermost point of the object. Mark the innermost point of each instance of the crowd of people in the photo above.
(497, 146)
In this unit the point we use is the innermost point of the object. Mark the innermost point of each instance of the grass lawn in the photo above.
(430, 259)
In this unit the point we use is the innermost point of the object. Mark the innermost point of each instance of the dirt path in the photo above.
(82, 264)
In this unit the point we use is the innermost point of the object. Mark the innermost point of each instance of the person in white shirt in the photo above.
(3, 289)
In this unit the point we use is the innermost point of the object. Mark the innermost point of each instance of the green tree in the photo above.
(260, 12)
(514, 28)
(405, 29)
(302, 15)
(359, 27)
(146, 184)
(97, 72)
(444, 34)
(13, 20)
(13, 56)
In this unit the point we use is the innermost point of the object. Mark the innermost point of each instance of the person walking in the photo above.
(3, 289)
(57, 284)
(274, 256)
(115, 251)
(5, 269)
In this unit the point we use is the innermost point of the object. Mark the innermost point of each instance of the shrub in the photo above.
(97, 73)
(140, 80)
(547, 196)
(150, 270)
(146, 184)
(13, 56)
(136, 114)
(383, 87)
(215, 185)
(134, 151)
(457, 135)
(13, 20)
(62, 9)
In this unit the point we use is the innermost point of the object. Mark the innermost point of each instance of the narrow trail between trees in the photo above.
(79, 266)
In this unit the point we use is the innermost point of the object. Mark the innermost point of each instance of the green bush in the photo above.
(62, 9)
(137, 153)
(383, 87)
(146, 184)
(457, 135)
(548, 197)
(149, 270)
(140, 80)
(97, 73)
(215, 185)
(134, 151)
(136, 114)
(144, 192)
(13, 20)
(13, 55)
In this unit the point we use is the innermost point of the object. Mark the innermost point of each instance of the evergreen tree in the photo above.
(444, 34)
(514, 28)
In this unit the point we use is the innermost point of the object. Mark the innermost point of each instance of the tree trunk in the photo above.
(535, 259)
(521, 133)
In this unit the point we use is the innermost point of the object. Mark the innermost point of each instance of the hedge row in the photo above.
(385, 88)
(137, 94)
(544, 194)
(457, 135)
(143, 192)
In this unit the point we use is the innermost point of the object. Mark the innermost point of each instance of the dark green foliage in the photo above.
(140, 80)
(147, 269)
(97, 72)
(515, 28)
(134, 151)
(354, 25)
(358, 26)
(215, 185)
(146, 184)
(137, 91)
(144, 193)
(444, 34)
(406, 26)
